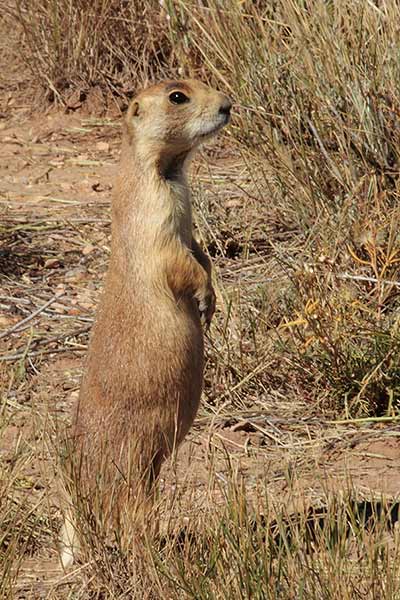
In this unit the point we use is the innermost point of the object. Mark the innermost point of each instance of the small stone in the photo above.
(87, 249)
(50, 263)
(58, 308)
(103, 146)
(75, 275)
(233, 203)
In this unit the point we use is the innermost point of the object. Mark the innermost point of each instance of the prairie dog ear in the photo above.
(133, 110)
(132, 114)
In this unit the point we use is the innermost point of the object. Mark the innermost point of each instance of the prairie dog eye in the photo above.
(178, 98)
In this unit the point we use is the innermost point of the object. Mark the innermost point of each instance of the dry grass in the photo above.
(300, 213)
(74, 46)
(317, 126)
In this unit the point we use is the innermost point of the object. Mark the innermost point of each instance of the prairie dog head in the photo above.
(172, 118)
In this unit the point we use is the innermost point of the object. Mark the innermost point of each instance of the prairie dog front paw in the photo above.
(206, 302)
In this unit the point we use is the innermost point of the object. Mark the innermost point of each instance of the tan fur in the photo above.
(143, 380)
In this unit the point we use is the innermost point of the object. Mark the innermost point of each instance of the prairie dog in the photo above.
(143, 380)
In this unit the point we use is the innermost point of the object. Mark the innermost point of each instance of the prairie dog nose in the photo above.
(225, 108)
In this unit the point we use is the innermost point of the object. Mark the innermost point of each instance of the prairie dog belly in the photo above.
(152, 364)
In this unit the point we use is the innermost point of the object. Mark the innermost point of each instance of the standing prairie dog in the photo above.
(144, 375)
